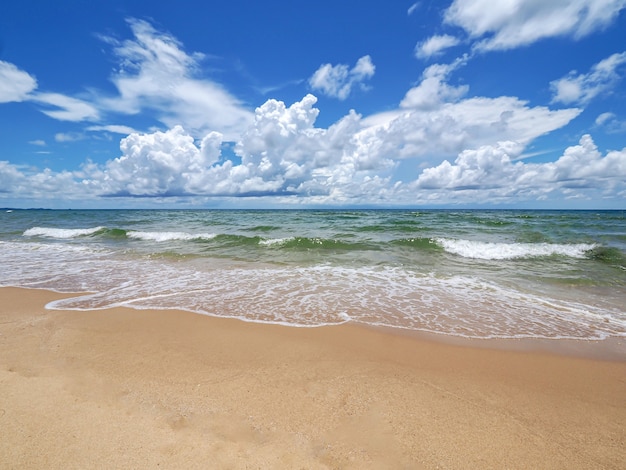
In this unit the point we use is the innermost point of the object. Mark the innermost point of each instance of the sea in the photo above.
(462, 273)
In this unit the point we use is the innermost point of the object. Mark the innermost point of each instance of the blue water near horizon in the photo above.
(466, 273)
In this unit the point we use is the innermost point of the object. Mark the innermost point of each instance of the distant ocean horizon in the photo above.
(546, 274)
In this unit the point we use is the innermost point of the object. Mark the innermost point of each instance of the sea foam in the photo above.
(502, 251)
(60, 232)
(169, 236)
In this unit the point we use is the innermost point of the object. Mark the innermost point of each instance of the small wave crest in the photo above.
(503, 251)
(61, 232)
(169, 236)
(317, 243)
(275, 241)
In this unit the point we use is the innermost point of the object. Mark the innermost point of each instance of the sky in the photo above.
(294, 104)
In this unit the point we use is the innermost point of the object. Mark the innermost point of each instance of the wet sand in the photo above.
(124, 388)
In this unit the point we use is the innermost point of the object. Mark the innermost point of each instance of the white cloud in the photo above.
(507, 24)
(473, 169)
(11, 178)
(490, 173)
(435, 119)
(412, 8)
(611, 123)
(113, 128)
(435, 45)
(38, 142)
(338, 81)
(24, 184)
(433, 90)
(604, 118)
(167, 164)
(68, 108)
(282, 153)
(15, 84)
(68, 136)
(582, 88)
(453, 127)
(155, 73)
(158, 164)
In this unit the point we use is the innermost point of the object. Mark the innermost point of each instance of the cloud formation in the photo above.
(337, 81)
(278, 150)
(580, 89)
(66, 108)
(156, 74)
(283, 154)
(435, 45)
(435, 118)
(507, 24)
(490, 173)
(170, 164)
(15, 84)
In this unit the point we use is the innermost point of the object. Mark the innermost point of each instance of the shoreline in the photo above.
(609, 349)
(142, 388)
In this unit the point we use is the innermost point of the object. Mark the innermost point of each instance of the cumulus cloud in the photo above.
(155, 73)
(491, 172)
(11, 178)
(469, 123)
(282, 153)
(433, 90)
(582, 88)
(435, 45)
(158, 164)
(23, 183)
(338, 81)
(435, 118)
(507, 24)
(169, 164)
(15, 84)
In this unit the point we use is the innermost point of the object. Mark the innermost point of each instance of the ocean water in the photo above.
(472, 274)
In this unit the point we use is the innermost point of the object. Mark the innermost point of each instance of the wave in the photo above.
(275, 241)
(422, 243)
(502, 251)
(169, 236)
(61, 232)
(317, 243)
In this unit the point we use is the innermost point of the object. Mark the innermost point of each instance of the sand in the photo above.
(124, 388)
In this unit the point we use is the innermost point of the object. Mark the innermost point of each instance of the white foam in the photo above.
(169, 236)
(60, 232)
(500, 251)
(275, 241)
(308, 296)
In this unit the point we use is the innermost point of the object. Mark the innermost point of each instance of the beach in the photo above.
(125, 388)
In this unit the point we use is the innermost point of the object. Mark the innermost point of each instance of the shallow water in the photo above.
(474, 274)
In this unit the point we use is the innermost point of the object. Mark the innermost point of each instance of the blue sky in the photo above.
(466, 103)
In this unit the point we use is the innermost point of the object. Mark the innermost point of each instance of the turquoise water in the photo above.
(477, 274)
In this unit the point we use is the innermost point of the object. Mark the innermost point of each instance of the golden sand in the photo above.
(123, 388)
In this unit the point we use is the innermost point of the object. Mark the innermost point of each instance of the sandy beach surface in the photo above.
(125, 388)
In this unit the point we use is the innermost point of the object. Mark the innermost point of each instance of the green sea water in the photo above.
(478, 274)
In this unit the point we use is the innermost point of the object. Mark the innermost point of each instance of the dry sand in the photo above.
(148, 389)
